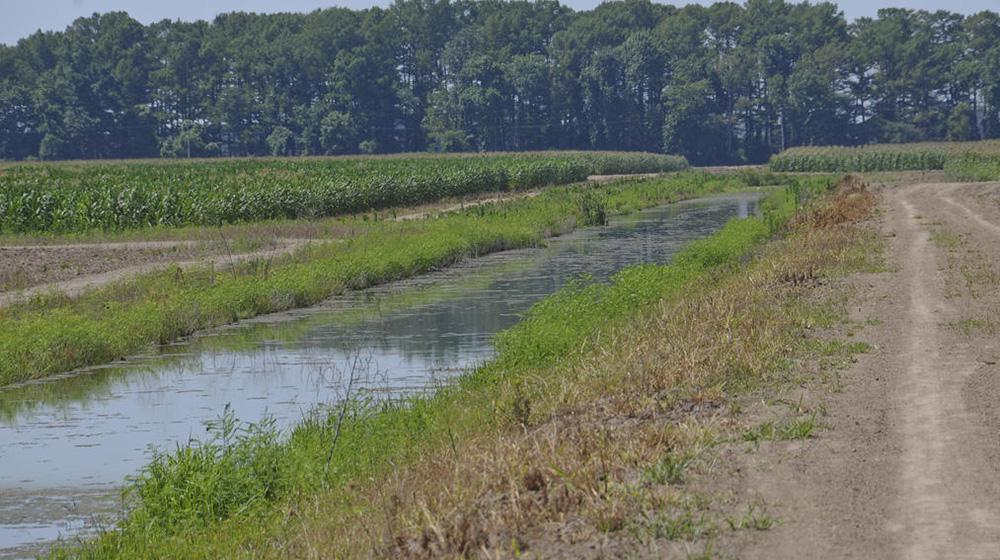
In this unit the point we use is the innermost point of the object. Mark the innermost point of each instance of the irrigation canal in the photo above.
(67, 444)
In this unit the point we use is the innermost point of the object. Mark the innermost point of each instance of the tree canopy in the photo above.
(726, 83)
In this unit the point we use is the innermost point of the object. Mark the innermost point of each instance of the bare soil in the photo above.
(74, 269)
(22, 266)
(909, 466)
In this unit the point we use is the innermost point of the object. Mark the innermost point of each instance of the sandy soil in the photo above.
(910, 464)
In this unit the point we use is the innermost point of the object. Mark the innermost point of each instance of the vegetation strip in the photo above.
(55, 334)
(76, 197)
(962, 161)
(524, 432)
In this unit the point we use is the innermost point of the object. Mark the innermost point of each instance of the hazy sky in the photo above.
(23, 17)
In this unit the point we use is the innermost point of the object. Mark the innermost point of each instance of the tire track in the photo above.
(940, 511)
(971, 214)
(910, 468)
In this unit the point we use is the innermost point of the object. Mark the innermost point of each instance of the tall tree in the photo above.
(726, 83)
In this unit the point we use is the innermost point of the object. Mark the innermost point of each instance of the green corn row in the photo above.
(882, 157)
(973, 167)
(74, 197)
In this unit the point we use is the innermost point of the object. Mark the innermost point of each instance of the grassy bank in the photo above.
(78, 197)
(56, 334)
(964, 161)
(576, 418)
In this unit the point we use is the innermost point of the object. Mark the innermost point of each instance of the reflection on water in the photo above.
(64, 441)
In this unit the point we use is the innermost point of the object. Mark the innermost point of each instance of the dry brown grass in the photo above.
(852, 202)
(602, 470)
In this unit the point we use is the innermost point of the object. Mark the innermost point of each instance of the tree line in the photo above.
(727, 83)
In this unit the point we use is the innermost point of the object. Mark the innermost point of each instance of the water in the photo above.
(66, 444)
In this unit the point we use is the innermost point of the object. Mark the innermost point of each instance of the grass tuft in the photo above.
(945, 239)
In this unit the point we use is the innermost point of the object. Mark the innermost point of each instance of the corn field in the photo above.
(74, 197)
(888, 157)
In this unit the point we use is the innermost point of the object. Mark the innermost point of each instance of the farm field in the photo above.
(129, 316)
(964, 161)
(74, 225)
(79, 197)
(771, 297)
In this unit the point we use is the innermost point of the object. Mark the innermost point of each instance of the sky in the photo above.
(23, 17)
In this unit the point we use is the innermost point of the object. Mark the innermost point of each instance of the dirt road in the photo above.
(910, 467)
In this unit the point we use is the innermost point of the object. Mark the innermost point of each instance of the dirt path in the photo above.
(910, 467)
(73, 287)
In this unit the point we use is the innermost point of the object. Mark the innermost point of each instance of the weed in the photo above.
(945, 239)
(988, 325)
(755, 518)
(838, 348)
(793, 429)
(801, 428)
(520, 407)
(979, 275)
(707, 554)
(670, 468)
(764, 432)
(593, 209)
(685, 518)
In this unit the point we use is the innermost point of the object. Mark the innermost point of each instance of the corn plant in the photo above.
(923, 156)
(73, 197)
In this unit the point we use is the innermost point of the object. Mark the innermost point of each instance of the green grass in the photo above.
(670, 468)
(945, 239)
(79, 197)
(215, 497)
(789, 429)
(754, 518)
